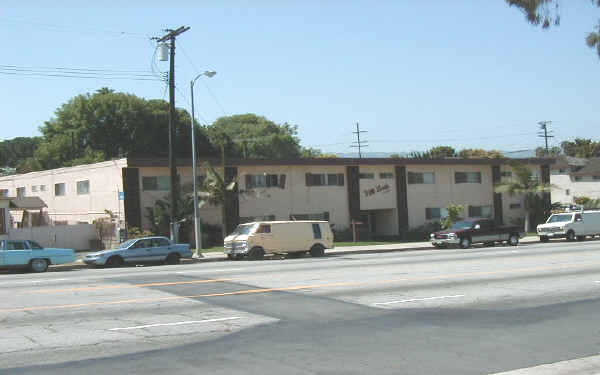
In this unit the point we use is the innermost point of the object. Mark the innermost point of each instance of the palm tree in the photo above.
(159, 214)
(216, 191)
(531, 188)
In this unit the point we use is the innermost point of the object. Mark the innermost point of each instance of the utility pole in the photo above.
(170, 36)
(546, 134)
(359, 143)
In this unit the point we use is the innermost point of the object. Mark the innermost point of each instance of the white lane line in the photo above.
(418, 299)
(31, 282)
(174, 324)
(211, 271)
(597, 281)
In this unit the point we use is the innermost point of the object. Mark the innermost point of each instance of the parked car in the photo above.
(254, 240)
(140, 250)
(570, 225)
(29, 254)
(486, 231)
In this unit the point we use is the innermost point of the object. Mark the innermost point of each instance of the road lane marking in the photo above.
(31, 282)
(211, 271)
(417, 299)
(175, 324)
(300, 287)
(130, 286)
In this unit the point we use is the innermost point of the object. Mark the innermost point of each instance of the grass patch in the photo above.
(214, 249)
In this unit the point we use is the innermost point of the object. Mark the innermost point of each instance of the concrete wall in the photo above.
(377, 193)
(64, 236)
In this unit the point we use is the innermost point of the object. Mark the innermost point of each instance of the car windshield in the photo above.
(126, 244)
(242, 229)
(562, 218)
(463, 225)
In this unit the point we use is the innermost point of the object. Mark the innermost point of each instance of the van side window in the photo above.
(317, 231)
(264, 228)
(577, 217)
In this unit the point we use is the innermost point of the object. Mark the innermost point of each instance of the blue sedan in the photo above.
(29, 254)
(140, 250)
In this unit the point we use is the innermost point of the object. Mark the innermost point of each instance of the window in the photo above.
(322, 179)
(316, 231)
(578, 178)
(2, 220)
(83, 187)
(421, 178)
(324, 216)
(59, 189)
(156, 183)
(563, 170)
(506, 174)
(264, 180)
(467, 177)
(567, 192)
(515, 206)
(433, 213)
(366, 176)
(34, 188)
(159, 242)
(386, 175)
(20, 192)
(3, 192)
(60, 222)
(480, 211)
(264, 228)
(596, 178)
(42, 187)
(335, 179)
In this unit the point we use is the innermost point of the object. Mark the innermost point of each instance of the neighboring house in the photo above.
(575, 177)
(388, 195)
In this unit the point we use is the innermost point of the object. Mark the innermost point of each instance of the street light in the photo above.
(197, 231)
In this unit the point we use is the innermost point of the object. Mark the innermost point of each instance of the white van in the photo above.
(254, 240)
(570, 225)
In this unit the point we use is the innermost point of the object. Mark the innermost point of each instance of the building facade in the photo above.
(575, 177)
(386, 195)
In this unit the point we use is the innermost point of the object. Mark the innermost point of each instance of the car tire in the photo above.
(317, 251)
(173, 258)
(465, 243)
(544, 239)
(571, 236)
(256, 253)
(230, 256)
(440, 246)
(115, 261)
(38, 265)
(489, 244)
(513, 239)
(580, 238)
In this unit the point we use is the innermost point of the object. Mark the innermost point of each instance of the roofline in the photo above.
(164, 162)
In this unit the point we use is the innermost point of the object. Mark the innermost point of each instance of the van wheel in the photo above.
(580, 238)
(544, 239)
(465, 243)
(38, 265)
(317, 250)
(570, 236)
(256, 253)
(230, 256)
(513, 240)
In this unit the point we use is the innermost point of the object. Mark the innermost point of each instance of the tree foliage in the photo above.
(470, 153)
(545, 13)
(454, 214)
(581, 148)
(14, 151)
(540, 152)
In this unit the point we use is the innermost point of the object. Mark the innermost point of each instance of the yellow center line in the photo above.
(129, 286)
(298, 287)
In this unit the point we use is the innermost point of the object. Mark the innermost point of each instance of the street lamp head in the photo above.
(209, 73)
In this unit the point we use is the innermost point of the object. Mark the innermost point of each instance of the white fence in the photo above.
(76, 236)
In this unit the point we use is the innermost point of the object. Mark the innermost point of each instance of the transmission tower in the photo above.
(359, 144)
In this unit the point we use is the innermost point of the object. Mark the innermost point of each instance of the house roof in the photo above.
(564, 161)
(26, 203)
(164, 162)
(591, 169)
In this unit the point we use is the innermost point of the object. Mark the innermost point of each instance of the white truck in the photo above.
(570, 225)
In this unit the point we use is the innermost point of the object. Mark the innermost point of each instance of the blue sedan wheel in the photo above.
(38, 265)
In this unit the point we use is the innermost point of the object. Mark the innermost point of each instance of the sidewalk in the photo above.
(392, 247)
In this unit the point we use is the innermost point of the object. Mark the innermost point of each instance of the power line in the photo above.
(76, 76)
(359, 144)
(545, 133)
(77, 29)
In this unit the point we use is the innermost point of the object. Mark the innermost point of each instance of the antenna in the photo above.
(359, 144)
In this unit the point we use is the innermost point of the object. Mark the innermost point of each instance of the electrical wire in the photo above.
(78, 29)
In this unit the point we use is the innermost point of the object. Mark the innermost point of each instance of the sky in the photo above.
(413, 74)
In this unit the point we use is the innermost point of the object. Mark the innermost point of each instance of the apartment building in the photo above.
(575, 177)
(387, 195)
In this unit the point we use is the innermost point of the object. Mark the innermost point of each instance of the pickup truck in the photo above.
(467, 232)
(29, 254)
(140, 250)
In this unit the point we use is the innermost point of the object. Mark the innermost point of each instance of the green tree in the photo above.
(254, 137)
(454, 214)
(524, 184)
(159, 215)
(581, 148)
(540, 152)
(473, 153)
(545, 13)
(442, 152)
(14, 151)
(218, 191)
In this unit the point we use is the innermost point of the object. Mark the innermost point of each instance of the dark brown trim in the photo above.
(498, 209)
(496, 175)
(353, 192)
(163, 162)
(401, 199)
(545, 174)
(132, 202)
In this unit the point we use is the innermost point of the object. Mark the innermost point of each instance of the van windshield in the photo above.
(559, 218)
(242, 229)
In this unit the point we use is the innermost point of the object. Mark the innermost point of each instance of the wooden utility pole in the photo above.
(359, 144)
(170, 36)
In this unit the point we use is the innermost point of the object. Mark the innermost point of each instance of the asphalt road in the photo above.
(477, 311)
